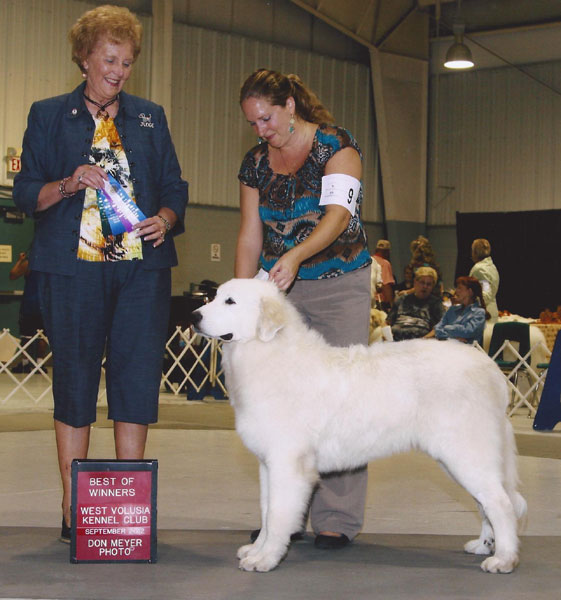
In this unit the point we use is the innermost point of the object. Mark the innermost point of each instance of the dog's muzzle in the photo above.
(196, 318)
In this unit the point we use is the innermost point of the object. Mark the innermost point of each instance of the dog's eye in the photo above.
(230, 301)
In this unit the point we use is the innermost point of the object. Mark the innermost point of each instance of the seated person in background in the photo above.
(415, 315)
(30, 319)
(422, 255)
(464, 320)
(407, 284)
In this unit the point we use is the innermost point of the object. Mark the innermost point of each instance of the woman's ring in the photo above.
(79, 179)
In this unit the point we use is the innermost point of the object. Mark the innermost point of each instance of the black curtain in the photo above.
(526, 248)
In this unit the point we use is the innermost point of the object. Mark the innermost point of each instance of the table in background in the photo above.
(550, 331)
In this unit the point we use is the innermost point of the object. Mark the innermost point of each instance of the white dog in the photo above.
(304, 407)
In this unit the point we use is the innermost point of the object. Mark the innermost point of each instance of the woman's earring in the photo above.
(260, 140)
(291, 125)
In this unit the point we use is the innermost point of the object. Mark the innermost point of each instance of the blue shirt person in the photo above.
(464, 320)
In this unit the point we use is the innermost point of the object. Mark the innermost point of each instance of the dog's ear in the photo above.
(272, 318)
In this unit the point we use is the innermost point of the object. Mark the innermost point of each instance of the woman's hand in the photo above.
(86, 176)
(285, 270)
(151, 229)
(154, 229)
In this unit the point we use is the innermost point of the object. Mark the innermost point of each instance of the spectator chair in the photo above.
(542, 374)
(503, 333)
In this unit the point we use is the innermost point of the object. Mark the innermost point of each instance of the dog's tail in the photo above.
(511, 480)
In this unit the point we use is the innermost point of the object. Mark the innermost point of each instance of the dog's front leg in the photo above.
(243, 551)
(290, 484)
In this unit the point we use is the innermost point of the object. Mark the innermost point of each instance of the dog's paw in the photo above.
(494, 564)
(243, 551)
(479, 546)
(259, 562)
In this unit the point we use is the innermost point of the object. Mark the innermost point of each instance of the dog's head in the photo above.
(243, 310)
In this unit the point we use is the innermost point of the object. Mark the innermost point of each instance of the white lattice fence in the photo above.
(193, 362)
(528, 396)
(192, 368)
(26, 383)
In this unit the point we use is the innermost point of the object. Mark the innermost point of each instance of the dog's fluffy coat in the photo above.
(304, 407)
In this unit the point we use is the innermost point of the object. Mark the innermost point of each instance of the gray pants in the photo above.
(339, 309)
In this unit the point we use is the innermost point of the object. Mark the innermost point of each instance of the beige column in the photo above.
(161, 54)
(400, 85)
(401, 102)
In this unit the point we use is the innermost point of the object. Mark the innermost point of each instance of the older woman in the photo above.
(465, 320)
(485, 271)
(300, 199)
(415, 314)
(422, 255)
(101, 178)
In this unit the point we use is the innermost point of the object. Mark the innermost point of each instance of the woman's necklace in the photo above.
(102, 113)
(298, 157)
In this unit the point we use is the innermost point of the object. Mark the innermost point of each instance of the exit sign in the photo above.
(14, 164)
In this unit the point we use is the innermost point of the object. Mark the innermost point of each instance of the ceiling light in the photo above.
(458, 55)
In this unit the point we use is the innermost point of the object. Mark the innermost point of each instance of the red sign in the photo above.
(14, 164)
(113, 515)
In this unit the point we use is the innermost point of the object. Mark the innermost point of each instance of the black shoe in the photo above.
(331, 542)
(64, 532)
(295, 537)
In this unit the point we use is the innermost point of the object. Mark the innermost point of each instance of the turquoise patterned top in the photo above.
(289, 208)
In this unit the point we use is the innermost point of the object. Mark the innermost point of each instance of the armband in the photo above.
(340, 189)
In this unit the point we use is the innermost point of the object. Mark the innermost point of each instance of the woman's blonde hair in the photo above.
(278, 88)
(117, 23)
(426, 272)
(481, 248)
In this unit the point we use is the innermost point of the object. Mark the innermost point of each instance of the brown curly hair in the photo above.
(116, 23)
(278, 88)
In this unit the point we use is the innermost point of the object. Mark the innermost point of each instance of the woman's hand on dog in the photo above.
(285, 270)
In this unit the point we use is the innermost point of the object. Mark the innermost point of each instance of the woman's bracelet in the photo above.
(165, 222)
(62, 188)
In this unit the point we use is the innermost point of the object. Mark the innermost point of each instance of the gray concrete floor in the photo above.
(416, 523)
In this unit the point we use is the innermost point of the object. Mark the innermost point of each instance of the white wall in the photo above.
(495, 142)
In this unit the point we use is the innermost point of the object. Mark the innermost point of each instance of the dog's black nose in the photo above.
(196, 317)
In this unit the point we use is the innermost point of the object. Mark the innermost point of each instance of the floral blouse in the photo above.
(289, 208)
(107, 152)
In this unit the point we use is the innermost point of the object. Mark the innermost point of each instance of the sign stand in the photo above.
(114, 511)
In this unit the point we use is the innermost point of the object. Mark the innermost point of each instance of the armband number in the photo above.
(340, 189)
